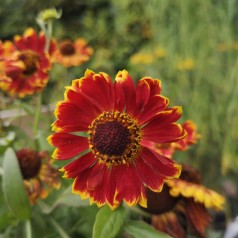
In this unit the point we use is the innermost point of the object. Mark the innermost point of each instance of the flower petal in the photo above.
(68, 145)
(125, 92)
(76, 167)
(165, 167)
(198, 192)
(130, 188)
(98, 89)
(72, 115)
(155, 105)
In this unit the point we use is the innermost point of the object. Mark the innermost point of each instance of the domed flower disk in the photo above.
(73, 53)
(105, 126)
(39, 176)
(28, 64)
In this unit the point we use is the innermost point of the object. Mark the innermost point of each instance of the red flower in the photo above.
(110, 123)
(28, 65)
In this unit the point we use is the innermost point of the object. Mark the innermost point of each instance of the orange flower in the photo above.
(71, 53)
(26, 63)
(111, 122)
(38, 173)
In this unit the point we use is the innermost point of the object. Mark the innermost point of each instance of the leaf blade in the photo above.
(13, 187)
(108, 223)
(140, 229)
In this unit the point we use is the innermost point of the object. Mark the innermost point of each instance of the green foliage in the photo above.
(13, 187)
(108, 222)
(139, 229)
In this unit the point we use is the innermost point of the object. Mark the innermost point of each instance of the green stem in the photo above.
(37, 118)
(28, 229)
(59, 229)
(48, 35)
(1, 171)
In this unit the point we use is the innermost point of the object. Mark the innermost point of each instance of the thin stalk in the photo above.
(28, 229)
(1, 171)
(37, 118)
(48, 35)
(59, 229)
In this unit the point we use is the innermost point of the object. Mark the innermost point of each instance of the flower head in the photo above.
(110, 123)
(73, 53)
(48, 15)
(28, 65)
(38, 174)
(186, 198)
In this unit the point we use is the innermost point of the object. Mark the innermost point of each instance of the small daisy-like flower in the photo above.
(29, 65)
(183, 198)
(73, 53)
(39, 176)
(110, 123)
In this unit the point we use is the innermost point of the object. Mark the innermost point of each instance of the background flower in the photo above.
(38, 173)
(73, 53)
(28, 65)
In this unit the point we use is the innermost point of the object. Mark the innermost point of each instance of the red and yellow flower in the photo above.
(105, 125)
(39, 176)
(183, 198)
(28, 64)
(73, 53)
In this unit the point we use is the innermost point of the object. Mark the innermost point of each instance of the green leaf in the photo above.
(108, 223)
(13, 187)
(67, 198)
(140, 229)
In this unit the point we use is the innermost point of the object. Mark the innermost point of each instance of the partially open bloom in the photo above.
(187, 202)
(38, 174)
(28, 65)
(73, 53)
(110, 123)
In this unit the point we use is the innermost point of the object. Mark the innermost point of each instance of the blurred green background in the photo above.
(192, 46)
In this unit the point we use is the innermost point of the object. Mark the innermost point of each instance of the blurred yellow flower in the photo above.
(142, 58)
(148, 57)
(160, 52)
(186, 64)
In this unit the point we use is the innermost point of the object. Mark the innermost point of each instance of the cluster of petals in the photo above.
(24, 64)
(109, 167)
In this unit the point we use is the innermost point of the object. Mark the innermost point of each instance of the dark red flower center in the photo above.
(114, 138)
(67, 48)
(29, 162)
(30, 60)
